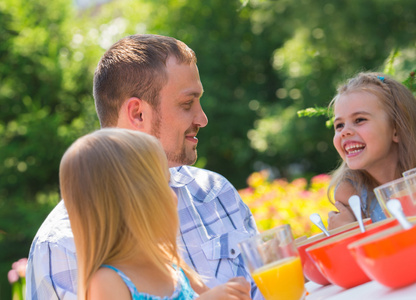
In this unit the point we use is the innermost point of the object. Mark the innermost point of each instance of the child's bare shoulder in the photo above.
(344, 191)
(107, 284)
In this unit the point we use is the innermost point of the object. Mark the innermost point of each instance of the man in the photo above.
(151, 83)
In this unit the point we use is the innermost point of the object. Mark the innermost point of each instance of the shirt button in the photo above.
(232, 251)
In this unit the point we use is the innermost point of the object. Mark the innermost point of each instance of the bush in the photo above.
(280, 202)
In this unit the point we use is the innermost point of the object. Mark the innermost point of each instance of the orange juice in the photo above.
(408, 206)
(281, 280)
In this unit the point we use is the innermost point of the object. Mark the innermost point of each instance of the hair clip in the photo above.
(381, 78)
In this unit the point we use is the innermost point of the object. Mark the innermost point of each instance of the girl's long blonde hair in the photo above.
(114, 183)
(400, 105)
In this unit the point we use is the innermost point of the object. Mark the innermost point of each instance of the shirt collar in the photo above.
(180, 176)
(202, 184)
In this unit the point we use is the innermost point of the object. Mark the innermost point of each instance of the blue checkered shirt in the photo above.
(213, 219)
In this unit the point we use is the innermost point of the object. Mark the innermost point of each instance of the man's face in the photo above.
(179, 114)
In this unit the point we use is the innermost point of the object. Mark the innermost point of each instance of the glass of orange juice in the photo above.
(403, 189)
(409, 172)
(274, 264)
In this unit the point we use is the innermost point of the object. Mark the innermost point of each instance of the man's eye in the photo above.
(187, 105)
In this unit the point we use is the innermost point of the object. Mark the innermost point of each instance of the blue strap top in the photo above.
(375, 212)
(183, 289)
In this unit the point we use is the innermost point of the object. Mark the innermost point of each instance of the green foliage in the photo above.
(389, 69)
(45, 82)
(410, 81)
(48, 54)
(315, 112)
(329, 42)
(234, 65)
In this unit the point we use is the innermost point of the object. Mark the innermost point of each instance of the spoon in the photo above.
(316, 219)
(355, 204)
(395, 208)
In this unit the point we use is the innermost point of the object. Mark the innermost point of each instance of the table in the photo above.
(367, 291)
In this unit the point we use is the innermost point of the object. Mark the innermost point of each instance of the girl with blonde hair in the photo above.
(375, 135)
(123, 215)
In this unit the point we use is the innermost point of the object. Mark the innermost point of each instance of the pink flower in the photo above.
(12, 276)
(20, 267)
(321, 178)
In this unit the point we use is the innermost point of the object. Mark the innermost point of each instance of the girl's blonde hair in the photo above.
(114, 183)
(400, 105)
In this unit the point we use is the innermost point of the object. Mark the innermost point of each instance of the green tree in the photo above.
(234, 59)
(45, 81)
(330, 42)
(48, 54)
(261, 61)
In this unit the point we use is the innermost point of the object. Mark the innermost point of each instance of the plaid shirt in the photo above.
(213, 219)
(52, 266)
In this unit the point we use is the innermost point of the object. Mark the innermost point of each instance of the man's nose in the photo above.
(201, 119)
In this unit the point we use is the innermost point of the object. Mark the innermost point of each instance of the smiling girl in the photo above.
(375, 135)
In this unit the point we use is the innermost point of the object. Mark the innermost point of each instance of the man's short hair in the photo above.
(135, 66)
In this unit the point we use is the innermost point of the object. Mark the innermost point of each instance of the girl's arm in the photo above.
(107, 285)
(197, 285)
(237, 288)
(344, 215)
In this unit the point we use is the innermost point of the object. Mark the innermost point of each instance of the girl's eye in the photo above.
(339, 126)
(359, 120)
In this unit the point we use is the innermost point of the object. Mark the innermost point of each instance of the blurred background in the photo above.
(260, 61)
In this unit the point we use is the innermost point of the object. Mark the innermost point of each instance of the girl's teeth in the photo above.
(354, 151)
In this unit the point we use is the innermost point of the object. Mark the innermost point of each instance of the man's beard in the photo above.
(180, 158)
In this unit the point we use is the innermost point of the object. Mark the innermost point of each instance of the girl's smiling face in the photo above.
(364, 136)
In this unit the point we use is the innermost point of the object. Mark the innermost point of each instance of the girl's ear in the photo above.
(395, 136)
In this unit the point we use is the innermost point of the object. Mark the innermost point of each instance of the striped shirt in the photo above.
(213, 220)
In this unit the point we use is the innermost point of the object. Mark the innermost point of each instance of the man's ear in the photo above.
(134, 112)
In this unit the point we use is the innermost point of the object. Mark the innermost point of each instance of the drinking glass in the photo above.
(409, 172)
(274, 263)
(403, 189)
